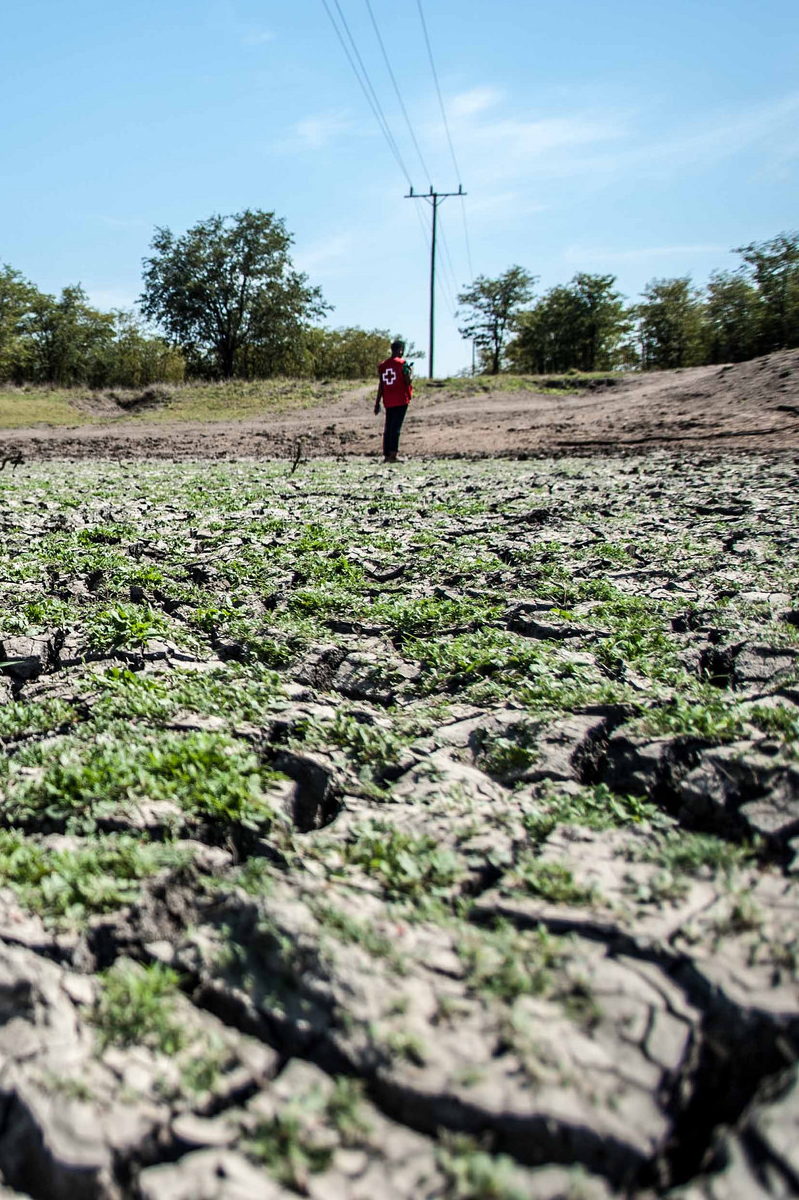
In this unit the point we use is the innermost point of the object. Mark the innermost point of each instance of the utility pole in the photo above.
(433, 199)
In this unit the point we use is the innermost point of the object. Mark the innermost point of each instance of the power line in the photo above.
(371, 96)
(448, 264)
(438, 89)
(466, 239)
(448, 133)
(448, 277)
(375, 96)
(393, 78)
(366, 85)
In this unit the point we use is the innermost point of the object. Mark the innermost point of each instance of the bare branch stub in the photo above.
(298, 448)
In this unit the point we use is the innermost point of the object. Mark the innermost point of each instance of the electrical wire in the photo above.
(366, 85)
(438, 89)
(393, 79)
(361, 73)
(467, 240)
(448, 133)
(371, 96)
(447, 263)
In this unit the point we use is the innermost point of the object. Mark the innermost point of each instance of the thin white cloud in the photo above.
(476, 100)
(601, 146)
(507, 204)
(707, 142)
(315, 132)
(503, 148)
(257, 37)
(713, 139)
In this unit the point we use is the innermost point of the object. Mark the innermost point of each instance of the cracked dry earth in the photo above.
(424, 835)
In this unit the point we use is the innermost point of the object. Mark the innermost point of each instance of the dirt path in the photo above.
(747, 406)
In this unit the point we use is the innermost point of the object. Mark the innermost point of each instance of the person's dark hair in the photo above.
(398, 347)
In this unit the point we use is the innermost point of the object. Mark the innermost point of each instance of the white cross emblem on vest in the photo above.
(389, 377)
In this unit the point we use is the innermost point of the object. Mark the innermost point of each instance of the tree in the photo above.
(491, 307)
(16, 299)
(227, 293)
(582, 326)
(66, 337)
(135, 358)
(671, 325)
(775, 269)
(350, 353)
(734, 317)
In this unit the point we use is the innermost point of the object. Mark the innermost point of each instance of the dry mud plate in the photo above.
(423, 835)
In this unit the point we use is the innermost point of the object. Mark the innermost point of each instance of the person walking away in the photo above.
(395, 389)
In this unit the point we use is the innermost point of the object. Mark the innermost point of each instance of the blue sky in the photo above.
(635, 138)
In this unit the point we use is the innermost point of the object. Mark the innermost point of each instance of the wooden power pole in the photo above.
(433, 199)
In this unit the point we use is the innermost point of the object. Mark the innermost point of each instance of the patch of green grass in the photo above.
(471, 1173)
(552, 881)
(68, 884)
(424, 616)
(558, 687)
(200, 1072)
(662, 887)
(234, 399)
(405, 1045)
(21, 407)
(366, 744)
(125, 627)
(406, 866)
(593, 807)
(350, 931)
(471, 657)
(612, 552)
(506, 964)
(297, 1141)
(136, 1006)
(235, 691)
(207, 774)
(508, 755)
(711, 718)
(20, 719)
(638, 638)
(679, 852)
(779, 720)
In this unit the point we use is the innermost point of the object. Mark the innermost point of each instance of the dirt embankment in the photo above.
(745, 406)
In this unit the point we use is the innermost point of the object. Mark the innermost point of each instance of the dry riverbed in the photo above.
(423, 835)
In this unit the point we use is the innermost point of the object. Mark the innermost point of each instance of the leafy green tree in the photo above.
(581, 326)
(671, 324)
(774, 266)
(66, 337)
(490, 309)
(734, 317)
(350, 353)
(227, 293)
(16, 299)
(135, 358)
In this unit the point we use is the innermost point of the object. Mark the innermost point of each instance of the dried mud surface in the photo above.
(746, 406)
(423, 835)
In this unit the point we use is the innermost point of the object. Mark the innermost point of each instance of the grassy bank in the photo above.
(197, 401)
(23, 407)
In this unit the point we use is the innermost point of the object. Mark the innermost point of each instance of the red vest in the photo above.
(397, 389)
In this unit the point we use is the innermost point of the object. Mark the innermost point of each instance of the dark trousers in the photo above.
(391, 432)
